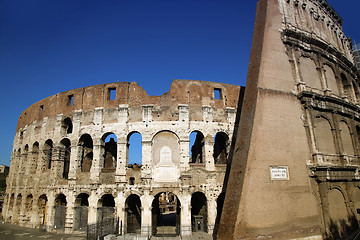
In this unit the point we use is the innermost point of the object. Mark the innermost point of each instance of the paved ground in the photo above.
(14, 232)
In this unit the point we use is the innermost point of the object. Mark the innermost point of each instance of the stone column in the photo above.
(184, 153)
(73, 162)
(50, 211)
(146, 170)
(209, 151)
(92, 210)
(211, 214)
(185, 228)
(120, 210)
(69, 220)
(146, 217)
(97, 164)
(120, 174)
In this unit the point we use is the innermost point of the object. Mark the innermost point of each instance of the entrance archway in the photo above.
(198, 212)
(133, 214)
(81, 212)
(42, 210)
(166, 215)
(60, 212)
(107, 223)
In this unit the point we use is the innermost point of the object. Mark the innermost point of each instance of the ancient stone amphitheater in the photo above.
(70, 168)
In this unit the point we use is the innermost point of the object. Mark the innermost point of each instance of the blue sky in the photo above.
(50, 46)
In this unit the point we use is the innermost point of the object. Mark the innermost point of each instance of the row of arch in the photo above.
(340, 84)
(336, 137)
(50, 154)
(165, 211)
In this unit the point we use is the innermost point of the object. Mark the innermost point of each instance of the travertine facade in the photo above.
(66, 174)
(295, 171)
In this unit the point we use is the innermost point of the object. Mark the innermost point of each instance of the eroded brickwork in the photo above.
(66, 174)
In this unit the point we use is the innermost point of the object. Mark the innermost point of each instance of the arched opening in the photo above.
(81, 212)
(48, 148)
(25, 161)
(338, 213)
(196, 146)
(11, 204)
(35, 157)
(347, 87)
(86, 152)
(16, 211)
(28, 208)
(133, 214)
(134, 149)
(309, 72)
(221, 144)
(331, 80)
(198, 212)
(346, 139)
(60, 212)
(324, 137)
(110, 150)
(165, 215)
(106, 220)
(356, 198)
(67, 126)
(42, 210)
(65, 153)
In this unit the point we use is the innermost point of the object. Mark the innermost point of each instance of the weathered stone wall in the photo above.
(61, 161)
(295, 173)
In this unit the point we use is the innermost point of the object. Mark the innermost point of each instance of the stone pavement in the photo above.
(15, 232)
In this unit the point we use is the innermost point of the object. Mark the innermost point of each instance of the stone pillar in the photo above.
(146, 170)
(146, 215)
(97, 164)
(211, 214)
(120, 174)
(50, 212)
(69, 220)
(73, 162)
(92, 211)
(208, 156)
(184, 153)
(185, 226)
(120, 210)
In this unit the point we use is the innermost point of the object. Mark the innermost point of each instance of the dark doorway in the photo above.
(198, 212)
(81, 212)
(133, 214)
(166, 215)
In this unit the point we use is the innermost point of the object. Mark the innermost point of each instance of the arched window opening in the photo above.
(346, 86)
(356, 195)
(35, 157)
(67, 126)
(324, 136)
(11, 203)
(48, 149)
(346, 139)
(198, 212)
(356, 90)
(42, 210)
(106, 211)
(331, 80)
(134, 149)
(165, 211)
(65, 152)
(81, 212)
(25, 160)
(60, 212)
(110, 150)
(86, 152)
(133, 214)
(337, 213)
(28, 208)
(16, 211)
(196, 147)
(221, 148)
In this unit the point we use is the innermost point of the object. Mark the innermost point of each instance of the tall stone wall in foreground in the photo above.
(295, 170)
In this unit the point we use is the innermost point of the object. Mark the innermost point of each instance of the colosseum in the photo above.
(70, 168)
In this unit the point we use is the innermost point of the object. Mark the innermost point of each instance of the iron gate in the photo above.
(106, 224)
(59, 219)
(80, 218)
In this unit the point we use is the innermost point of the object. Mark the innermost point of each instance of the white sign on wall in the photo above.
(279, 173)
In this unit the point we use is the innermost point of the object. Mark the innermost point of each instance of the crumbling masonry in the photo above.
(70, 162)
